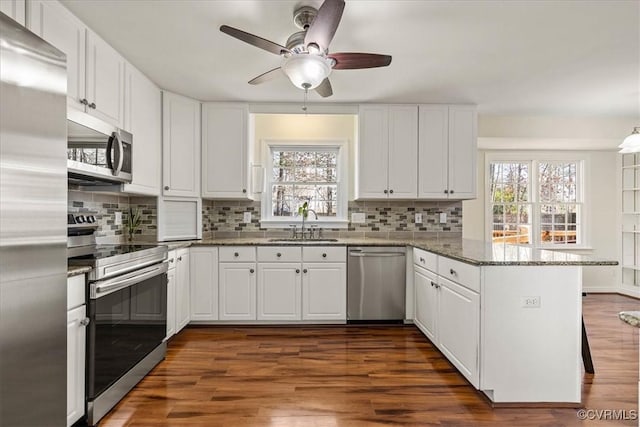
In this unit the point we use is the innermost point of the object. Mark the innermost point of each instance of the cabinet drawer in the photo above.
(464, 274)
(425, 259)
(75, 291)
(324, 254)
(238, 254)
(280, 254)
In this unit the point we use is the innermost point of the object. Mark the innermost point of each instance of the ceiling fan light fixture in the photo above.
(306, 71)
(631, 143)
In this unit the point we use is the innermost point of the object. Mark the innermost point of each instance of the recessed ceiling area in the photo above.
(508, 57)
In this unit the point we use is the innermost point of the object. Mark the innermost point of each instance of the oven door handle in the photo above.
(106, 287)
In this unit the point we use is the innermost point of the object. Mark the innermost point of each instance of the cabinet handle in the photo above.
(92, 105)
(85, 321)
(297, 270)
(84, 101)
(304, 271)
(236, 254)
(386, 191)
(179, 258)
(446, 191)
(453, 272)
(278, 254)
(251, 270)
(391, 191)
(244, 190)
(166, 187)
(324, 255)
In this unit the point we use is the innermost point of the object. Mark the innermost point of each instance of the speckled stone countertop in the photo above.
(631, 317)
(74, 270)
(473, 252)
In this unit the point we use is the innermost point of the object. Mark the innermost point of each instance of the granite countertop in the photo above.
(76, 270)
(475, 252)
(631, 317)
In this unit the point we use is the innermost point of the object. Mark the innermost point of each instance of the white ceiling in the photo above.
(508, 57)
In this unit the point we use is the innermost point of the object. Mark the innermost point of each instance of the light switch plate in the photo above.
(358, 218)
(443, 217)
(418, 218)
(118, 219)
(246, 218)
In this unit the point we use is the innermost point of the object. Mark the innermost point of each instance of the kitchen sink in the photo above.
(303, 241)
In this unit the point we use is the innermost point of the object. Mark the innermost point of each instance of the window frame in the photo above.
(267, 220)
(534, 159)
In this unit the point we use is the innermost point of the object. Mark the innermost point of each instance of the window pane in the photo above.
(282, 198)
(282, 174)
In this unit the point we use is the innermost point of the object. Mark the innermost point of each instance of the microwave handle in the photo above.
(108, 156)
(120, 157)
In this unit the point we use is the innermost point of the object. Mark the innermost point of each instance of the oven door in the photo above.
(128, 320)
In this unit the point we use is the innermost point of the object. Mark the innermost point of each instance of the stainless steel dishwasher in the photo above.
(376, 284)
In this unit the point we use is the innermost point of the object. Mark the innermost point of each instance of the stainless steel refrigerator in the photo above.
(33, 259)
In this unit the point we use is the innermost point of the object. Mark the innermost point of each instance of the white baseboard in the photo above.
(601, 290)
(629, 292)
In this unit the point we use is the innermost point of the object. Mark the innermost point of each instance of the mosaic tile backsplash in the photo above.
(105, 206)
(221, 219)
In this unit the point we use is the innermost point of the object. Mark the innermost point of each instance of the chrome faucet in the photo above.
(304, 220)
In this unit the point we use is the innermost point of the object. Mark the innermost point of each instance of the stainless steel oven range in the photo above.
(127, 308)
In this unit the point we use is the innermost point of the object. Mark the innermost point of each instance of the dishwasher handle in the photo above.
(376, 254)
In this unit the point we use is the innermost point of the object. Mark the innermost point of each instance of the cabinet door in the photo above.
(463, 149)
(171, 302)
(183, 286)
(180, 146)
(237, 291)
(105, 81)
(459, 327)
(204, 283)
(373, 152)
(433, 151)
(225, 159)
(15, 9)
(324, 291)
(426, 302)
(54, 23)
(403, 151)
(279, 291)
(76, 344)
(143, 113)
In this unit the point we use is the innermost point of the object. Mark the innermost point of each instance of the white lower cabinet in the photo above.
(279, 291)
(426, 301)
(171, 302)
(76, 347)
(324, 291)
(237, 288)
(183, 306)
(204, 283)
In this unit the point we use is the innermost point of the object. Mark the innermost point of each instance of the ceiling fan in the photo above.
(306, 59)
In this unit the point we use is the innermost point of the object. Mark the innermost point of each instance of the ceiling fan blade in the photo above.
(265, 77)
(353, 61)
(325, 24)
(325, 90)
(265, 44)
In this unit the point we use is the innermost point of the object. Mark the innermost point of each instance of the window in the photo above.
(537, 202)
(307, 173)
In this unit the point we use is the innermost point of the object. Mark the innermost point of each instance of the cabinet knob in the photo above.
(391, 191)
(244, 190)
(421, 259)
(452, 272)
(236, 254)
(297, 270)
(446, 191)
(179, 258)
(278, 254)
(85, 321)
(83, 101)
(450, 191)
(324, 255)
(386, 191)
(92, 105)
(171, 261)
(251, 270)
(433, 284)
(304, 271)
(436, 285)
(166, 187)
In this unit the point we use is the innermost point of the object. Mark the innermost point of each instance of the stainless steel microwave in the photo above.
(97, 153)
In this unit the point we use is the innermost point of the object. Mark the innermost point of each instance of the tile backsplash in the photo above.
(222, 219)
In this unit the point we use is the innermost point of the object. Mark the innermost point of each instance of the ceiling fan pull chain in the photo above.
(306, 92)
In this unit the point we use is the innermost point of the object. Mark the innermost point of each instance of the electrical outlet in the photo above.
(358, 218)
(443, 217)
(118, 220)
(246, 218)
(418, 218)
(530, 302)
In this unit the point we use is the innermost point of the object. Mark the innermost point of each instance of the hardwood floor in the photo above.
(357, 376)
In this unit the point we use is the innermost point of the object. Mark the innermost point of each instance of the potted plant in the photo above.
(133, 221)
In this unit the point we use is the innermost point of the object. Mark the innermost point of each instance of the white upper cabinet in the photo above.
(180, 146)
(95, 71)
(387, 152)
(15, 9)
(447, 152)
(143, 113)
(225, 151)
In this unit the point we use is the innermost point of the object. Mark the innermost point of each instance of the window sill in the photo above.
(286, 223)
(565, 248)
